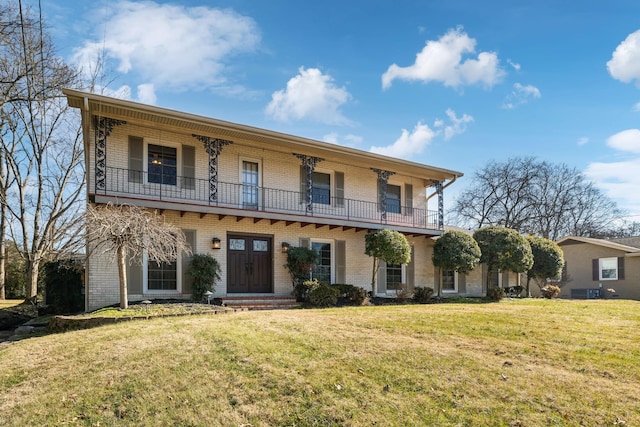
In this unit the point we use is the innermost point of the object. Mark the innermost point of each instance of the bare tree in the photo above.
(537, 197)
(129, 231)
(42, 144)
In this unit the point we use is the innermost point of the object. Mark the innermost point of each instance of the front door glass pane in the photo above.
(322, 271)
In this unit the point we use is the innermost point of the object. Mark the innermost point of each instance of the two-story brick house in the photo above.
(244, 194)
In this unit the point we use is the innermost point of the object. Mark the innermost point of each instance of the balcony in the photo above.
(191, 194)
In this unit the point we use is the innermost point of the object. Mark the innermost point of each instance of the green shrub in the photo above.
(300, 263)
(321, 294)
(352, 294)
(422, 295)
(550, 291)
(495, 294)
(205, 271)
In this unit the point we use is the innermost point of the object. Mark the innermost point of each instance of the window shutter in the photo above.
(305, 242)
(382, 278)
(134, 277)
(408, 197)
(136, 161)
(339, 178)
(462, 283)
(188, 167)
(379, 196)
(341, 262)
(410, 272)
(595, 266)
(437, 280)
(187, 279)
(621, 268)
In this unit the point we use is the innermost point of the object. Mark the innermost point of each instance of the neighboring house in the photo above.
(593, 266)
(245, 194)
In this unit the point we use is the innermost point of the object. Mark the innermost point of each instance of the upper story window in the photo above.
(608, 269)
(321, 188)
(162, 164)
(393, 198)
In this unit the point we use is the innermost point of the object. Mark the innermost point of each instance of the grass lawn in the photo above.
(6, 303)
(513, 363)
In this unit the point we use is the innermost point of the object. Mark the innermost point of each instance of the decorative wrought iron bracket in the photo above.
(213, 147)
(440, 193)
(103, 126)
(383, 181)
(309, 165)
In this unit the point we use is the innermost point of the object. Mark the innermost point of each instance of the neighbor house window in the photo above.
(322, 271)
(321, 188)
(393, 198)
(162, 165)
(495, 278)
(394, 276)
(163, 276)
(449, 281)
(608, 268)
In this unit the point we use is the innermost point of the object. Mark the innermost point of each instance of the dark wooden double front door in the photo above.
(249, 263)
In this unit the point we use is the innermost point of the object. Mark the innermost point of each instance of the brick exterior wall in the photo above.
(278, 170)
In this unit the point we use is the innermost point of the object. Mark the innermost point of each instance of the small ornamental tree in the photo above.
(389, 246)
(457, 251)
(548, 261)
(300, 263)
(129, 231)
(503, 249)
(205, 271)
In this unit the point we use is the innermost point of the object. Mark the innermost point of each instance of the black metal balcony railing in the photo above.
(135, 184)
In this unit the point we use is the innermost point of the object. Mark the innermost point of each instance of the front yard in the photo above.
(513, 363)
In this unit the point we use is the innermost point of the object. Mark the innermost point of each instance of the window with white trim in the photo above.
(394, 277)
(324, 269)
(608, 268)
(393, 198)
(321, 188)
(449, 281)
(162, 164)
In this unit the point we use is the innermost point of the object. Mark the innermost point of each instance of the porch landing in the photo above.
(260, 302)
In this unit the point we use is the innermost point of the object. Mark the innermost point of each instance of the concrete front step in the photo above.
(261, 302)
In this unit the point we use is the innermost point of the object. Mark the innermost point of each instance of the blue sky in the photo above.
(452, 84)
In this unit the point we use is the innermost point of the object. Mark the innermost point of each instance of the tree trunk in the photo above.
(122, 275)
(3, 264)
(33, 268)
(373, 278)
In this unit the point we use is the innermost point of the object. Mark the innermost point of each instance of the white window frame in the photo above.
(332, 187)
(145, 160)
(333, 254)
(403, 280)
(601, 261)
(242, 159)
(145, 278)
(455, 282)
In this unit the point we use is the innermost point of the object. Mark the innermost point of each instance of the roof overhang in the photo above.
(161, 118)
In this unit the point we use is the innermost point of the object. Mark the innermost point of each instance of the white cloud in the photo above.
(170, 45)
(147, 93)
(409, 143)
(412, 143)
(636, 107)
(310, 95)
(624, 64)
(348, 140)
(442, 61)
(457, 126)
(627, 140)
(583, 140)
(521, 95)
(620, 180)
(515, 65)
